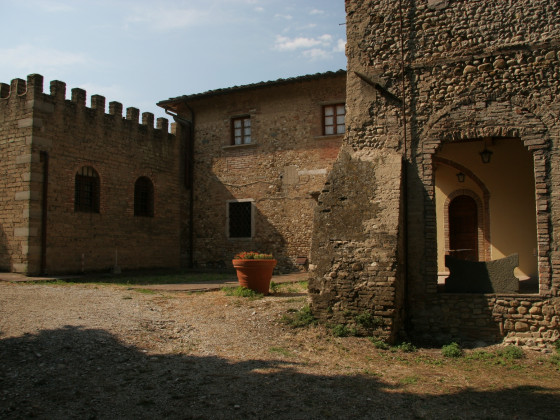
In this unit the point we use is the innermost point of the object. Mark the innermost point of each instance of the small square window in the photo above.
(334, 119)
(240, 219)
(241, 130)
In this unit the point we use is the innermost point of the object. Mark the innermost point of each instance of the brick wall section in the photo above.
(473, 69)
(15, 163)
(120, 150)
(282, 170)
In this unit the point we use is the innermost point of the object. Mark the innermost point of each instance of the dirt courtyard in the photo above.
(103, 351)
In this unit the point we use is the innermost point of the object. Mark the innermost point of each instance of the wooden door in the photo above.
(463, 228)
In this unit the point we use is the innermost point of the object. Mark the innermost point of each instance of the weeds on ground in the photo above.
(555, 358)
(145, 291)
(274, 287)
(241, 292)
(378, 343)
(409, 380)
(368, 320)
(452, 350)
(281, 350)
(511, 353)
(406, 347)
(507, 357)
(341, 330)
(299, 318)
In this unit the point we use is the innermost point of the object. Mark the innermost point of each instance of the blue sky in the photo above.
(139, 52)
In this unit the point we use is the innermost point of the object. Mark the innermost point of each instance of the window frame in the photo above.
(229, 220)
(243, 119)
(143, 197)
(87, 186)
(336, 126)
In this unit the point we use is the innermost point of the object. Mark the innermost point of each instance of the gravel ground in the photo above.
(102, 351)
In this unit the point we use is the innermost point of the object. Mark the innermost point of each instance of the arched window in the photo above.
(144, 197)
(86, 194)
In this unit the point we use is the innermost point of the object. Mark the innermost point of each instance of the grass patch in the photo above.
(299, 318)
(409, 380)
(452, 350)
(147, 277)
(368, 320)
(145, 291)
(281, 350)
(241, 292)
(379, 343)
(341, 330)
(406, 347)
(511, 353)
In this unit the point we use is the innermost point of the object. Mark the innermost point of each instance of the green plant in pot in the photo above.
(254, 270)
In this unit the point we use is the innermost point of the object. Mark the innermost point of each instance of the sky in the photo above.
(139, 52)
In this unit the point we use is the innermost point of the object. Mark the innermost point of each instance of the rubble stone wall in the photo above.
(472, 69)
(282, 170)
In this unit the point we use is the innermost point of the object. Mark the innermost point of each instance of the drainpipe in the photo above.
(44, 202)
(405, 171)
(189, 173)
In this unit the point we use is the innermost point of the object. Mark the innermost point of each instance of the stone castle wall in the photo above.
(282, 170)
(472, 69)
(15, 169)
(71, 135)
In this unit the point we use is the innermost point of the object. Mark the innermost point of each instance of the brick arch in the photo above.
(468, 119)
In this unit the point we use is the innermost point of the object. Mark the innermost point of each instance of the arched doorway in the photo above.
(463, 228)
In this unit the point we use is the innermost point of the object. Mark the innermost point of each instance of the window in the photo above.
(144, 197)
(241, 130)
(240, 219)
(333, 119)
(86, 194)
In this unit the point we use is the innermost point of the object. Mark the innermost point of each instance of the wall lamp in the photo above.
(460, 177)
(486, 155)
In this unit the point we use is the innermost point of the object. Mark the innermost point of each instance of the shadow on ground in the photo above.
(79, 373)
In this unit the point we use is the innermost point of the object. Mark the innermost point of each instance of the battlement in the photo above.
(32, 89)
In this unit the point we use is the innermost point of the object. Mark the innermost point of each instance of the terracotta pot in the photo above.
(255, 274)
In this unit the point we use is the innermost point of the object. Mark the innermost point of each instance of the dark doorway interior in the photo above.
(463, 228)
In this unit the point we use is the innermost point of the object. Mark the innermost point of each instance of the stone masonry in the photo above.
(281, 171)
(45, 140)
(419, 77)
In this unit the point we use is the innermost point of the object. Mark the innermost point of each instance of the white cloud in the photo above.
(317, 12)
(53, 6)
(340, 46)
(284, 43)
(167, 18)
(319, 48)
(287, 17)
(317, 54)
(30, 58)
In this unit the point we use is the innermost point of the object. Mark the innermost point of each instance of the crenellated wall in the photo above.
(47, 135)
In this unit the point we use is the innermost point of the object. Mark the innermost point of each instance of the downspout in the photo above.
(44, 202)
(189, 174)
(405, 170)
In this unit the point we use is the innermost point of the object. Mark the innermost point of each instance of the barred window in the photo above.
(241, 130)
(86, 193)
(333, 119)
(144, 197)
(240, 219)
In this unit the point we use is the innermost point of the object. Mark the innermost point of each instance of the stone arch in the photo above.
(469, 119)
